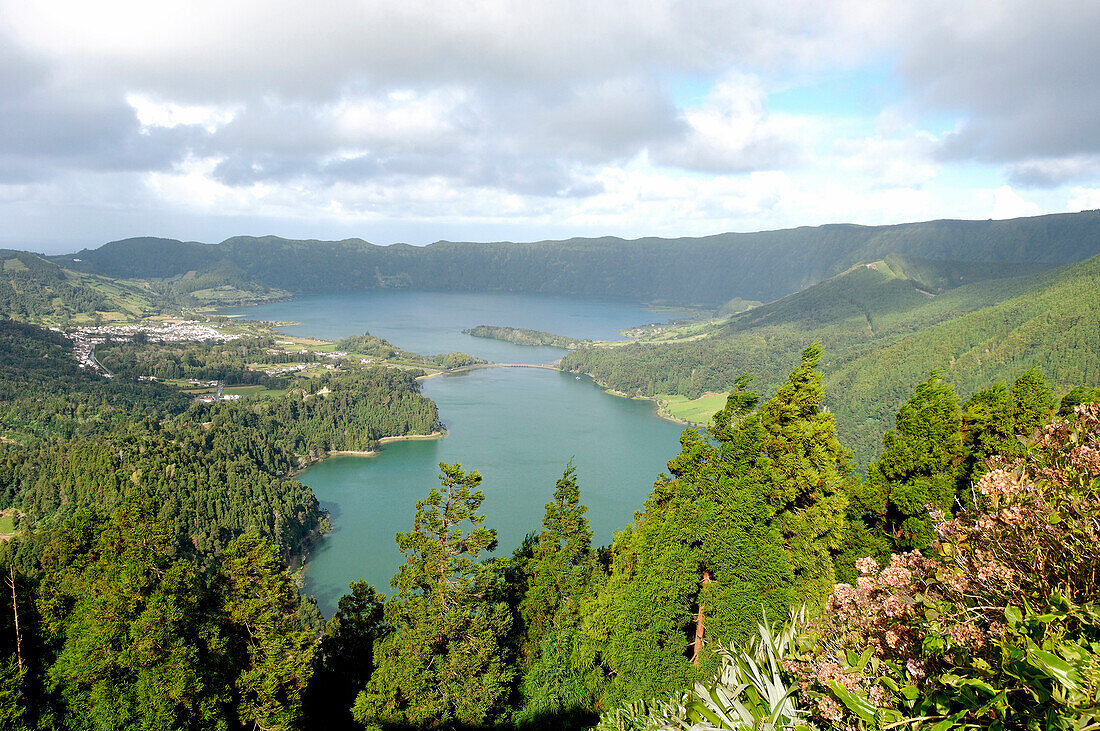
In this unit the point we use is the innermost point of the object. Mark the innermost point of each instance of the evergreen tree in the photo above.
(346, 657)
(995, 419)
(136, 646)
(559, 575)
(561, 565)
(1032, 402)
(1078, 395)
(273, 654)
(921, 462)
(810, 470)
(703, 561)
(446, 662)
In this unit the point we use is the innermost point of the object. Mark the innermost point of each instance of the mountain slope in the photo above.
(35, 289)
(883, 333)
(710, 270)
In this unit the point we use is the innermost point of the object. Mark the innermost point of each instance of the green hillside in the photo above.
(883, 332)
(35, 289)
(711, 270)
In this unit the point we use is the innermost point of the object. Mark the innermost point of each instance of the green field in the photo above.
(7, 526)
(696, 411)
(254, 391)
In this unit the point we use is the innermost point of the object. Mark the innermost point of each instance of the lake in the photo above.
(518, 427)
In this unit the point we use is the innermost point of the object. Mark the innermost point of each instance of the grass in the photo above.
(7, 526)
(695, 411)
(254, 391)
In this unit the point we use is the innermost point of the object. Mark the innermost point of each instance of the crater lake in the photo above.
(518, 427)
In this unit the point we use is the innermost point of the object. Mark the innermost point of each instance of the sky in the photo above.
(529, 120)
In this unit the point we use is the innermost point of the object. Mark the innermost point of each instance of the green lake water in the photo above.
(517, 426)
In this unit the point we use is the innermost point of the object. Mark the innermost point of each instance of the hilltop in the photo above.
(711, 270)
(885, 325)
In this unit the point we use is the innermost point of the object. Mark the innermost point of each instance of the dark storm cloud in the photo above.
(553, 88)
(1020, 74)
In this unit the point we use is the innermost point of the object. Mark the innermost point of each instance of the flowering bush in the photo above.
(998, 628)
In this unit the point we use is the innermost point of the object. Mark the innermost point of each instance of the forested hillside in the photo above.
(883, 333)
(129, 611)
(709, 270)
(71, 440)
(33, 289)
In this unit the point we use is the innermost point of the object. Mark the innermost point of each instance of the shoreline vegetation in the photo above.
(438, 434)
(524, 336)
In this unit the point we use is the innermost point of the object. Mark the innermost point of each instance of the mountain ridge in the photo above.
(709, 270)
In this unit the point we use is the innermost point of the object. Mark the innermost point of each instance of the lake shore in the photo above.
(368, 453)
(659, 406)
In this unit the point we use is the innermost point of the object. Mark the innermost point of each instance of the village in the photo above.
(85, 339)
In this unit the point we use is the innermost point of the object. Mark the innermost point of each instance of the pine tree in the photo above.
(810, 471)
(997, 418)
(562, 563)
(921, 462)
(704, 562)
(1032, 402)
(559, 576)
(136, 644)
(275, 659)
(346, 658)
(446, 661)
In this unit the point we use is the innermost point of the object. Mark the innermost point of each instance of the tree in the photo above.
(562, 563)
(446, 662)
(1033, 402)
(346, 658)
(559, 573)
(810, 470)
(704, 561)
(272, 654)
(136, 644)
(921, 462)
(993, 420)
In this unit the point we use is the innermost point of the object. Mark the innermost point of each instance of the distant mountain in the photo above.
(883, 331)
(35, 289)
(710, 270)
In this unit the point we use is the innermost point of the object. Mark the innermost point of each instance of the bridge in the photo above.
(462, 369)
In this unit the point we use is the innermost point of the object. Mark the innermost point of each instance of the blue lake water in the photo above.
(518, 427)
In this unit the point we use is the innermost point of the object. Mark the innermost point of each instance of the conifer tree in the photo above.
(446, 661)
(561, 564)
(260, 600)
(704, 562)
(560, 574)
(810, 469)
(995, 419)
(346, 658)
(921, 462)
(135, 645)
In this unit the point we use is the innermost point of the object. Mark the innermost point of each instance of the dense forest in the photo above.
(884, 330)
(900, 532)
(764, 580)
(72, 440)
(711, 270)
(524, 336)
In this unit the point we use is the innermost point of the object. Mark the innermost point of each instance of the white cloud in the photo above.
(1007, 203)
(151, 113)
(545, 115)
(1083, 199)
(731, 131)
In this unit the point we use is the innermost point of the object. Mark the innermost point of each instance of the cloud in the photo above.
(345, 111)
(1008, 204)
(1053, 172)
(732, 132)
(1019, 75)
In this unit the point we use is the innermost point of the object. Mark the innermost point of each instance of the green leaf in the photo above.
(1055, 667)
(855, 703)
